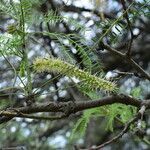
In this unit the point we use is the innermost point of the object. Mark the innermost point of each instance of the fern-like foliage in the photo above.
(76, 43)
(9, 10)
(14, 41)
(120, 112)
(80, 127)
(113, 30)
(110, 113)
(72, 46)
(53, 18)
(10, 45)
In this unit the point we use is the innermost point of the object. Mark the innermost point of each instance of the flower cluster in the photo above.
(58, 66)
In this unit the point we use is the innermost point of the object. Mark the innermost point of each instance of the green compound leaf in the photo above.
(136, 92)
(81, 125)
(122, 112)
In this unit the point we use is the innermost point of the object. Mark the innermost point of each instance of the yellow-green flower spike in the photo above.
(58, 66)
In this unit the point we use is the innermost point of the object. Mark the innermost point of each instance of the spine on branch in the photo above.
(58, 66)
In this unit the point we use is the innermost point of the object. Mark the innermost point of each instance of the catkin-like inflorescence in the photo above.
(58, 66)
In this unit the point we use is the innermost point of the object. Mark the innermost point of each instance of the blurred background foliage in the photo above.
(72, 30)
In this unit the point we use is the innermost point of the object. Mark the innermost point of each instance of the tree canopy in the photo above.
(74, 74)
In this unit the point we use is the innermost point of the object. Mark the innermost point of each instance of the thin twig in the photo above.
(126, 128)
(22, 115)
(141, 111)
(128, 60)
(129, 25)
(123, 73)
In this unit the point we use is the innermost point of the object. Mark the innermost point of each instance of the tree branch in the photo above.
(73, 107)
(68, 108)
